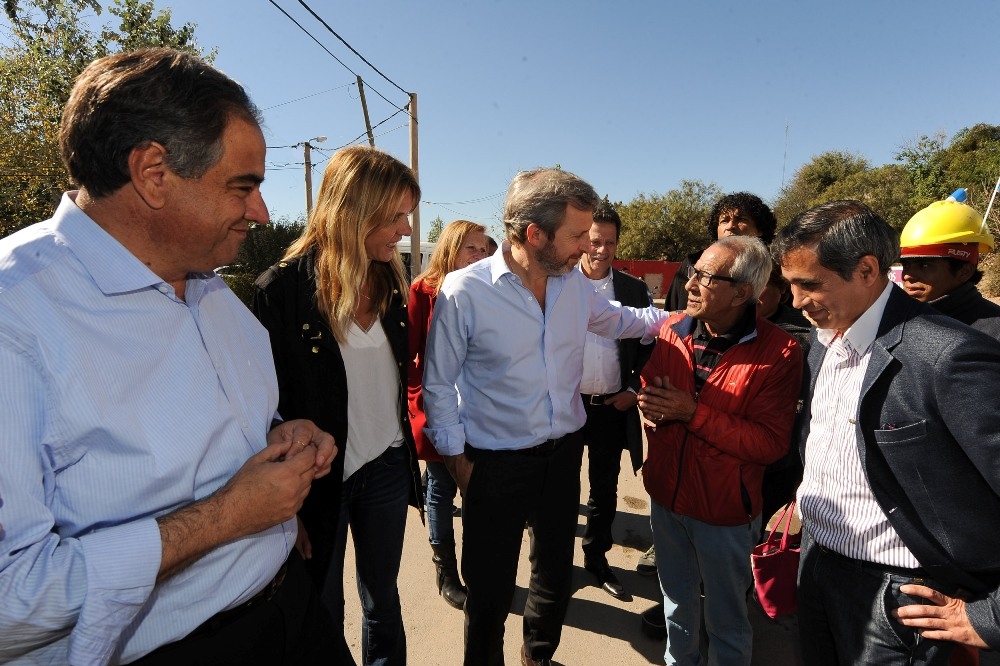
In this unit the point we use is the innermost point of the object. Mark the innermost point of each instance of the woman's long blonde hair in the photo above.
(443, 259)
(360, 191)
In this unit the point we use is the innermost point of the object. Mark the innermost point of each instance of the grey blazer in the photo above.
(928, 433)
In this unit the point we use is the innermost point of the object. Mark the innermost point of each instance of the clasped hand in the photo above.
(659, 401)
(270, 486)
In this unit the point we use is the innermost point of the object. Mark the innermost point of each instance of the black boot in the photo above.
(448, 583)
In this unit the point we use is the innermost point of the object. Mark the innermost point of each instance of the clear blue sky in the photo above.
(632, 96)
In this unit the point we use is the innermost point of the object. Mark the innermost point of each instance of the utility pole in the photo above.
(364, 109)
(307, 155)
(414, 164)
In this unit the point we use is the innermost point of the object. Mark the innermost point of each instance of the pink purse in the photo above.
(776, 567)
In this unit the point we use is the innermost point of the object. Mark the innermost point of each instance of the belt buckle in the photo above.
(276, 582)
(595, 400)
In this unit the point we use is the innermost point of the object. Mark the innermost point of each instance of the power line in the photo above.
(365, 133)
(299, 99)
(353, 50)
(349, 143)
(468, 201)
(466, 216)
(300, 26)
(343, 64)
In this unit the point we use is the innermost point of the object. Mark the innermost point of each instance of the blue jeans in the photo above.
(845, 614)
(441, 491)
(693, 556)
(374, 503)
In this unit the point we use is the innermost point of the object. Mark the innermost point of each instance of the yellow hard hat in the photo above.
(946, 228)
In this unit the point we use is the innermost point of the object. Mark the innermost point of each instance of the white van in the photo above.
(426, 249)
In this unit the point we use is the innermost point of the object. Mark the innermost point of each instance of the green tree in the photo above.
(922, 161)
(972, 160)
(265, 245)
(809, 184)
(668, 226)
(435, 229)
(888, 190)
(50, 42)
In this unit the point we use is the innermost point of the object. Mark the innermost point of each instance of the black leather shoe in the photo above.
(608, 581)
(526, 659)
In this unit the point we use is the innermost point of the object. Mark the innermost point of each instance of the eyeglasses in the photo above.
(705, 278)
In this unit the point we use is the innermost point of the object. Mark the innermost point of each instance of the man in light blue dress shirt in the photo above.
(502, 393)
(148, 506)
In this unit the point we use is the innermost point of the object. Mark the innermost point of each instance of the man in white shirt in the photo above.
(609, 390)
(507, 337)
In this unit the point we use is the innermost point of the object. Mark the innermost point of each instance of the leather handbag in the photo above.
(776, 567)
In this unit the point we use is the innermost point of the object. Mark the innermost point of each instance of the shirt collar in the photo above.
(114, 269)
(605, 281)
(498, 265)
(862, 332)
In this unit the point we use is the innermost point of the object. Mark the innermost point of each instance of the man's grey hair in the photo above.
(841, 233)
(752, 263)
(540, 196)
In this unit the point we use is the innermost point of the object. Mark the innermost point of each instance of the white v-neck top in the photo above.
(372, 397)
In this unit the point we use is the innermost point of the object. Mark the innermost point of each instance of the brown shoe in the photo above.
(526, 659)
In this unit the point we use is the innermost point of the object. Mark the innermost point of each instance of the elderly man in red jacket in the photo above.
(721, 389)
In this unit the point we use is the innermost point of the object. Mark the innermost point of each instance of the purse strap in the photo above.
(782, 525)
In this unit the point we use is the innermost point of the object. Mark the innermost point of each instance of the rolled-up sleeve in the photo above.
(89, 587)
(447, 345)
(122, 564)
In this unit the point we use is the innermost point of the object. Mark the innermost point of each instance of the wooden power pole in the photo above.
(414, 164)
(364, 109)
(307, 153)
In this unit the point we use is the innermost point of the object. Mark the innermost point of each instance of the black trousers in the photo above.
(506, 490)
(604, 435)
(289, 629)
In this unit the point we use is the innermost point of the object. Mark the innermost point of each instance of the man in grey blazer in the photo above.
(900, 499)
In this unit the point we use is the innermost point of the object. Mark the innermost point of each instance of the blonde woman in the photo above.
(461, 243)
(335, 310)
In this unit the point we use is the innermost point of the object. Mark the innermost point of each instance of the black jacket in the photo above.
(968, 306)
(312, 384)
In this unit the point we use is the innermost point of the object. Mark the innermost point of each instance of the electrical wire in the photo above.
(468, 201)
(353, 50)
(321, 92)
(466, 216)
(303, 29)
(365, 133)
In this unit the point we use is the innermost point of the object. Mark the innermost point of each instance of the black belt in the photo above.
(546, 448)
(594, 399)
(864, 565)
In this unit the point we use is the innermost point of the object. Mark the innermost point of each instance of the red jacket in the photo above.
(420, 308)
(711, 468)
